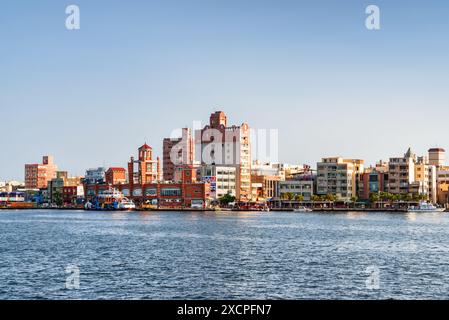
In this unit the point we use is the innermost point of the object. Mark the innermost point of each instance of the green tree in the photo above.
(226, 199)
(374, 197)
(287, 196)
(299, 197)
(57, 198)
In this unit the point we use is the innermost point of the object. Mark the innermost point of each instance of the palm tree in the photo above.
(288, 196)
(299, 197)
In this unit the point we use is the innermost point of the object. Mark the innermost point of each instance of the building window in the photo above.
(151, 192)
(167, 192)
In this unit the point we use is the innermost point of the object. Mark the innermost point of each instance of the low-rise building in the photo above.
(294, 187)
(115, 175)
(222, 179)
(73, 194)
(188, 193)
(95, 175)
(55, 188)
(373, 180)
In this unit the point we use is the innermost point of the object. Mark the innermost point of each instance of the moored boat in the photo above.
(425, 207)
(111, 199)
(302, 209)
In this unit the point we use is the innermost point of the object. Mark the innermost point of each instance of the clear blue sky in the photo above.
(138, 69)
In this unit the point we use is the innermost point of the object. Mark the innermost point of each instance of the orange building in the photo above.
(37, 176)
(116, 175)
(145, 169)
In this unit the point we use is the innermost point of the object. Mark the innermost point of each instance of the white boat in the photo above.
(126, 204)
(302, 209)
(425, 207)
(111, 199)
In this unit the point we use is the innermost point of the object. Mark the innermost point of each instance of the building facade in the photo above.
(437, 157)
(220, 144)
(144, 169)
(115, 175)
(295, 188)
(412, 175)
(95, 175)
(37, 176)
(371, 181)
(222, 180)
(177, 152)
(337, 176)
(401, 173)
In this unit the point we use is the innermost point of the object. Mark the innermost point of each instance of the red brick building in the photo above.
(222, 144)
(372, 182)
(143, 185)
(115, 175)
(72, 194)
(145, 169)
(164, 195)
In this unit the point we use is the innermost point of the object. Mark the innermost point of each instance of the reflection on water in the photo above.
(411, 216)
(223, 255)
(355, 215)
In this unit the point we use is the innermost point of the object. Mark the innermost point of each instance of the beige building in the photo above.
(401, 173)
(338, 176)
(425, 179)
(269, 185)
(413, 175)
(437, 157)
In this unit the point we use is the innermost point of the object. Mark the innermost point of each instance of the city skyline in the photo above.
(132, 74)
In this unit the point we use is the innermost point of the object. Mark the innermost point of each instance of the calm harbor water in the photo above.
(175, 255)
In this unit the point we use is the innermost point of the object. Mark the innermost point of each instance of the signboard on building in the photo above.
(212, 180)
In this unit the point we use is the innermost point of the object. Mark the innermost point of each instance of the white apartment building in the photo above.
(222, 179)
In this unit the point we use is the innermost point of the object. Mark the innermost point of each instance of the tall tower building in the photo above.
(145, 169)
(224, 145)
